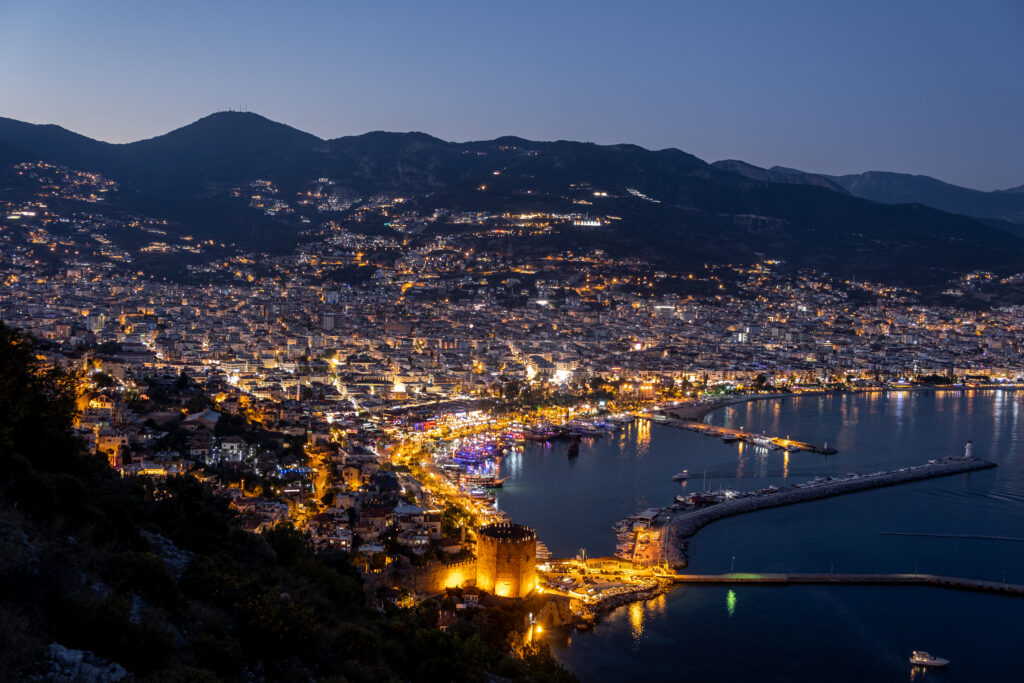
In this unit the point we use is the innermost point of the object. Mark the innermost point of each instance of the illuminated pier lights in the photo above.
(506, 556)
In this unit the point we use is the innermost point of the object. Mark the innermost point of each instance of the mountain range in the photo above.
(900, 188)
(666, 206)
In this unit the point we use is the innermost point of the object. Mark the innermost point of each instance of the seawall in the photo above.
(686, 523)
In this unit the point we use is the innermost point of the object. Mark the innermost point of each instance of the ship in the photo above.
(922, 658)
(681, 476)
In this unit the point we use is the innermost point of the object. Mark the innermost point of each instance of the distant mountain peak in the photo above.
(236, 128)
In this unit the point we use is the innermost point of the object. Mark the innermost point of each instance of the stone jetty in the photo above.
(685, 521)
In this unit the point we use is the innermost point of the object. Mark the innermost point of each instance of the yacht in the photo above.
(922, 658)
(681, 476)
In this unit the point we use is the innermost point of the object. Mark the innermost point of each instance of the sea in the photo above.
(801, 633)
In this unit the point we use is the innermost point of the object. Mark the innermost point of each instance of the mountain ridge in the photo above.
(670, 206)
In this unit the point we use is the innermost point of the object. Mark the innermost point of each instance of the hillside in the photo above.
(903, 188)
(667, 206)
(157, 580)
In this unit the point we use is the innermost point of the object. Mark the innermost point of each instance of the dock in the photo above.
(953, 582)
(765, 441)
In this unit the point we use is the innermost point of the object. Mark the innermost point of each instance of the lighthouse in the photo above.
(969, 450)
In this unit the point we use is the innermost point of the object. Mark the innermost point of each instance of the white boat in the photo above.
(922, 658)
(681, 476)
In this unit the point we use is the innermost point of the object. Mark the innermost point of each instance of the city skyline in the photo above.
(838, 90)
(556, 343)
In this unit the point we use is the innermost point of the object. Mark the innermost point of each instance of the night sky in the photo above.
(923, 86)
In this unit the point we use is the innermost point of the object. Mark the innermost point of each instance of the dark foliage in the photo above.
(160, 578)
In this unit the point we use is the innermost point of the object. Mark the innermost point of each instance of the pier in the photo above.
(953, 582)
(776, 442)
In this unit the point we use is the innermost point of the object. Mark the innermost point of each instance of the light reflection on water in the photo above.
(636, 621)
(807, 633)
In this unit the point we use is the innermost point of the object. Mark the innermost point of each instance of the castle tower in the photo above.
(506, 560)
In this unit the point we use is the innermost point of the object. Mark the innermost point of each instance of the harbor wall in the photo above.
(686, 524)
(856, 579)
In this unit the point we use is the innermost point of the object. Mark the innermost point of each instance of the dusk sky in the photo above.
(926, 87)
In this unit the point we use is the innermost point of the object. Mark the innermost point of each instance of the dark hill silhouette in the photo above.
(670, 206)
(903, 188)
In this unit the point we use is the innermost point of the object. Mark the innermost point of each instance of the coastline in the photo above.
(698, 410)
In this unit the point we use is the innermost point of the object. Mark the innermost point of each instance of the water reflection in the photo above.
(730, 602)
(636, 622)
(643, 437)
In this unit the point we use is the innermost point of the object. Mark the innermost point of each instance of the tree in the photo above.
(197, 403)
(37, 404)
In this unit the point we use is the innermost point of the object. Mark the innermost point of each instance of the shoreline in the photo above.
(697, 411)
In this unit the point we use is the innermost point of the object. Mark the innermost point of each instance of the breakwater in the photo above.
(684, 521)
(852, 579)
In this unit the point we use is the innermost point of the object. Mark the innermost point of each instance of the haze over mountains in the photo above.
(665, 206)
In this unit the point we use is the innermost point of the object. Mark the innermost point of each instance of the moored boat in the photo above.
(922, 658)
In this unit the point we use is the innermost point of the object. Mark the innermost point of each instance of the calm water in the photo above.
(848, 633)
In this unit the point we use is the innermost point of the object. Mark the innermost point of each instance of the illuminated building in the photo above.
(506, 560)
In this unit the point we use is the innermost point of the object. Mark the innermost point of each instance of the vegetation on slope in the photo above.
(159, 577)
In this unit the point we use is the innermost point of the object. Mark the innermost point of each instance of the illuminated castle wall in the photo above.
(506, 560)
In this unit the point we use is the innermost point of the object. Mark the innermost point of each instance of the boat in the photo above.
(488, 481)
(792, 448)
(922, 658)
(728, 438)
(574, 446)
(681, 476)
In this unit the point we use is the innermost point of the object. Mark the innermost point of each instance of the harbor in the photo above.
(769, 575)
